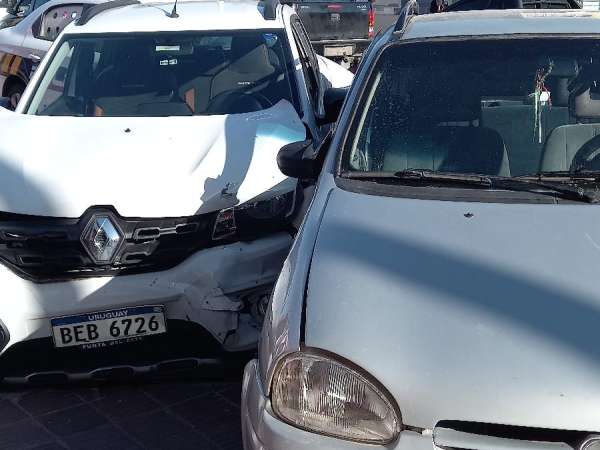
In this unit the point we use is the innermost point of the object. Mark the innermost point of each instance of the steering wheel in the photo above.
(587, 157)
(238, 102)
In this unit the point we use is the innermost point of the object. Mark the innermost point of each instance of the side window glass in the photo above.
(308, 60)
(56, 83)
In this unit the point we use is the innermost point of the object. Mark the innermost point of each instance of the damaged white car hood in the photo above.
(144, 167)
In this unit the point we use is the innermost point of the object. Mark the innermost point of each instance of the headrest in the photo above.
(587, 105)
(559, 89)
(586, 77)
(445, 105)
(564, 68)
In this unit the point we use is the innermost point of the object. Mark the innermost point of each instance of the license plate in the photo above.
(122, 325)
(335, 17)
(345, 50)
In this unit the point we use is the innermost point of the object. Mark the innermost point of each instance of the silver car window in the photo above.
(494, 107)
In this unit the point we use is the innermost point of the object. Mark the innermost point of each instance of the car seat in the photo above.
(514, 120)
(250, 65)
(565, 141)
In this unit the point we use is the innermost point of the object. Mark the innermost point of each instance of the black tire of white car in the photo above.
(14, 92)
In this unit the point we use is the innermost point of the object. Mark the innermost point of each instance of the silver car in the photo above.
(26, 34)
(444, 289)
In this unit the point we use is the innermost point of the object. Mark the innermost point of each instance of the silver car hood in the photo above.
(464, 311)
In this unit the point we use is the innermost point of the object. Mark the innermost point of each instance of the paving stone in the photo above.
(51, 446)
(233, 393)
(160, 415)
(73, 420)
(105, 438)
(210, 412)
(161, 430)
(123, 402)
(23, 434)
(88, 394)
(10, 413)
(227, 437)
(38, 401)
(171, 393)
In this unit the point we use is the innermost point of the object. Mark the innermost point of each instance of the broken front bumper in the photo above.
(261, 430)
(206, 300)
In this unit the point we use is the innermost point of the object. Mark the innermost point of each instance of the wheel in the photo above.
(14, 93)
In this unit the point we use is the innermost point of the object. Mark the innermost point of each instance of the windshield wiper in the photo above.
(522, 184)
(424, 175)
(538, 186)
(561, 175)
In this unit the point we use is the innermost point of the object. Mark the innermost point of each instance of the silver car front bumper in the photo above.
(261, 430)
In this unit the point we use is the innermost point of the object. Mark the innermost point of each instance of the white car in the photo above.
(26, 34)
(146, 209)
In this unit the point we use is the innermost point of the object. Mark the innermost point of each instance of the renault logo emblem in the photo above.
(102, 238)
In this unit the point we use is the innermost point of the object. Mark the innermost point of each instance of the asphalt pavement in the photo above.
(152, 415)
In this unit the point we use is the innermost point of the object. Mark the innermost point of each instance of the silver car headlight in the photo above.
(318, 392)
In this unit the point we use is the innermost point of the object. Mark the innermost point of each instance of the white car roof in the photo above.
(506, 22)
(194, 15)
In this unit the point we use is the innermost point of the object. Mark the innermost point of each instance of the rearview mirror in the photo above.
(333, 100)
(301, 160)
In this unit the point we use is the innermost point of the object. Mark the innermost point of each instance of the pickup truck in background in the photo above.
(340, 30)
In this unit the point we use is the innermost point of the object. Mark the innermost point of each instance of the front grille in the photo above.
(459, 435)
(50, 249)
(187, 345)
(46, 249)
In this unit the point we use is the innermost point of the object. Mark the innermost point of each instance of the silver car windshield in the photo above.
(503, 107)
(169, 74)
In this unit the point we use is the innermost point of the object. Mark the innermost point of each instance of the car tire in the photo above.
(14, 93)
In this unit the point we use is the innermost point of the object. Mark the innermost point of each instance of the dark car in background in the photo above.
(21, 8)
(340, 30)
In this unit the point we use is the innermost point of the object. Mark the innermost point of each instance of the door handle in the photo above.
(34, 57)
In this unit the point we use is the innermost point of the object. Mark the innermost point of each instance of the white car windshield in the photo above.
(166, 74)
(510, 107)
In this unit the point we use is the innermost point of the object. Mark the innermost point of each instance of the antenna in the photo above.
(174, 14)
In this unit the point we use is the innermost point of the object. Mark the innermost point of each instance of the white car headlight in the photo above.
(253, 219)
(318, 393)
